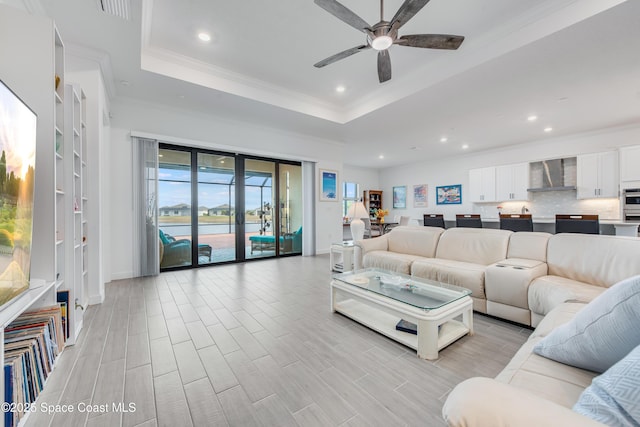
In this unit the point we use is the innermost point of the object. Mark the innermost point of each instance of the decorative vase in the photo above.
(381, 220)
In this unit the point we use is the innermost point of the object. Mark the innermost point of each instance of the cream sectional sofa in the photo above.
(536, 279)
(530, 391)
(515, 276)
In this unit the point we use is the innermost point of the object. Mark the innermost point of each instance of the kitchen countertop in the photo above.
(550, 220)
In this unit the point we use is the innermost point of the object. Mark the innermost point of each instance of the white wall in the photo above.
(200, 130)
(367, 178)
(456, 171)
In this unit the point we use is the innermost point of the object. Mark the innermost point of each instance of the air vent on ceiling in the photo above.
(118, 8)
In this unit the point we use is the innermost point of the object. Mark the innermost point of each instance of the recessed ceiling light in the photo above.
(548, 129)
(124, 82)
(443, 139)
(532, 118)
(205, 37)
(381, 156)
(465, 146)
(340, 89)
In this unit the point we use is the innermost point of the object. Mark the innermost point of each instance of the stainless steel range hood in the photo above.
(553, 175)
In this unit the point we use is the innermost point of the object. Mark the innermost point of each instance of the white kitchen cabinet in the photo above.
(629, 161)
(512, 182)
(482, 185)
(597, 175)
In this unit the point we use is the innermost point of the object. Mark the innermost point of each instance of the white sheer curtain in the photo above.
(146, 250)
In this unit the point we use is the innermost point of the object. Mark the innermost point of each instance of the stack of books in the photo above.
(32, 342)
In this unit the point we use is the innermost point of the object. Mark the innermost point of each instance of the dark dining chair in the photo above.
(468, 221)
(586, 224)
(516, 222)
(433, 220)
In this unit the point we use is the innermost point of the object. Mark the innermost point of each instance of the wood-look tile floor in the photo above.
(253, 344)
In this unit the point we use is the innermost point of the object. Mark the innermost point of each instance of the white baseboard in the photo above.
(96, 299)
(121, 275)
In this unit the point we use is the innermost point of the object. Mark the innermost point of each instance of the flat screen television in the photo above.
(17, 173)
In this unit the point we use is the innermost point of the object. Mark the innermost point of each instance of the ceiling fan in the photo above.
(385, 33)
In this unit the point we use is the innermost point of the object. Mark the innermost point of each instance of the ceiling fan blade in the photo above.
(341, 55)
(344, 14)
(408, 9)
(384, 66)
(431, 41)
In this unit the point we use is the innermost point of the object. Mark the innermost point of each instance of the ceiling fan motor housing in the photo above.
(382, 29)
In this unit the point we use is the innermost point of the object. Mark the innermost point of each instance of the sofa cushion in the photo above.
(602, 333)
(593, 259)
(544, 377)
(420, 241)
(548, 292)
(528, 245)
(392, 261)
(465, 274)
(614, 397)
(474, 245)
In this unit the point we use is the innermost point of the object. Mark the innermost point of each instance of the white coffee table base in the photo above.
(382, 314)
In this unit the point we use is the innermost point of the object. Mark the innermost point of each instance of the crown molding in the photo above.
(103, 60)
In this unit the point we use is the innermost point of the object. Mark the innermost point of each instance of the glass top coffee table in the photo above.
(439, 312)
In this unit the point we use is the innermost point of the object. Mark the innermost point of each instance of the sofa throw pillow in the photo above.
(600, 334)
(613, 398)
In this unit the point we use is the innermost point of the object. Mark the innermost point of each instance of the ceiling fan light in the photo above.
(381, 42)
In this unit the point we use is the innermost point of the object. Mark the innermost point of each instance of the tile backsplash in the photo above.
(548, 204)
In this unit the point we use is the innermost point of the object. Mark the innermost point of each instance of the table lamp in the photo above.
(357, 211)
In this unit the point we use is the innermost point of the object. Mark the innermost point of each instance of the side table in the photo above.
(341, 256)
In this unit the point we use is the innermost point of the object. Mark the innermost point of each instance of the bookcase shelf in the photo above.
(372, 201)
(40, 78)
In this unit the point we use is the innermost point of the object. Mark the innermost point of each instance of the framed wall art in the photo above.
(400, 197)
(328, 185)
(420, 196)
(449, 195)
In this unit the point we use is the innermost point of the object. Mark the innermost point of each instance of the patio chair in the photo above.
(178, 252)
(174, 252)
(269, 242)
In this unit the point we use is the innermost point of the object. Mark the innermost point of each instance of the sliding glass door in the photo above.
(221, 207)
(290, 208)
(259, 208)
(174, 208)
(216, 208)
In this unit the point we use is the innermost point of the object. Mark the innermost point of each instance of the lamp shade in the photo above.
(357, 211)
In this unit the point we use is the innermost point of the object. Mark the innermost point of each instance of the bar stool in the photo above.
(468, 221)
(433, 220)
(586, 224)
(516, 222)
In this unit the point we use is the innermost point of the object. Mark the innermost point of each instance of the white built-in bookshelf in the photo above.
(74, 131)
(59, 248)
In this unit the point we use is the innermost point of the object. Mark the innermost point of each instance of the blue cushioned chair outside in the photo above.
(268, 242)
(178, 252)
